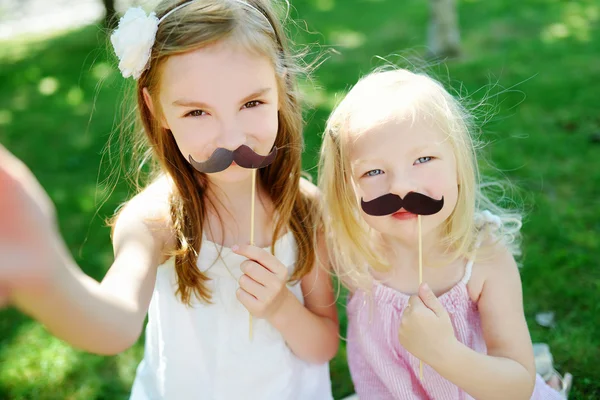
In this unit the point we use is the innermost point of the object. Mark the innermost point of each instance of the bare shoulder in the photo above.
(494, 264)
(140, 238)
(150, 206)
(147, 213)
(309, 189)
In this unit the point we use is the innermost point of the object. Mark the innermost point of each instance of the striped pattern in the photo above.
(382, 369)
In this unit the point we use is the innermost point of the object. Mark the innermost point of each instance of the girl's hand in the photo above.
(28, 229)
(263, 289)
(426, 330)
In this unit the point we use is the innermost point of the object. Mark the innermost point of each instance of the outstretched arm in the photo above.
(41, 278)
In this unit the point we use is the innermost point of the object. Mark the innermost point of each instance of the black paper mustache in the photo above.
(413, 202)
(243, 156)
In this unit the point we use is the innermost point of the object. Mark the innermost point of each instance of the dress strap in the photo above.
(468, 271)
(486, 224)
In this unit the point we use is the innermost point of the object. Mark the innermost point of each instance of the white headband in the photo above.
(134, 37)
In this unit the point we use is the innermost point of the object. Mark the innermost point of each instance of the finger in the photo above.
(4, 297)
(263, 257)
(259, 273)
(15, 175)
(410, 305)
(430, 300)
(11, 165)
(247, 300)
(414, 302)
(252, 287)
(7, 160)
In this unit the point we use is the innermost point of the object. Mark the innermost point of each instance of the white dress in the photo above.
(204, 352)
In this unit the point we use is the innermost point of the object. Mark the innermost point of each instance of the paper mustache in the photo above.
(413, 202)
(243, 156)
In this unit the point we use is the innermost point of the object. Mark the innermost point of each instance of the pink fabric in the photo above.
(382, 369)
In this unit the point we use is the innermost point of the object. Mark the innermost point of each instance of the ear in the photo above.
(150, 105)
(284, 74)
(284, 80)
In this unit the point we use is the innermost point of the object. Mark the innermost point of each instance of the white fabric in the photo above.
(205, 352)
(468, 271)
(486, 223)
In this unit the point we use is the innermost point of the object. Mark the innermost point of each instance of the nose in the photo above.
(402, 183)
(231, 135)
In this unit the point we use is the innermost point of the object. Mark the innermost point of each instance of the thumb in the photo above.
(428, 298)
(4, 297)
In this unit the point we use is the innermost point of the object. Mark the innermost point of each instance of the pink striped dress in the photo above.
(382, 369)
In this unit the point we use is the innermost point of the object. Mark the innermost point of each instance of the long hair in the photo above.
(412, 96)
(254, 25)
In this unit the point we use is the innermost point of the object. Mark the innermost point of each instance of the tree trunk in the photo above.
(110, 19)
(444, 35)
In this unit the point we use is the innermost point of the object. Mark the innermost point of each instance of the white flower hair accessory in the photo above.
(135, 35)
(133, 40)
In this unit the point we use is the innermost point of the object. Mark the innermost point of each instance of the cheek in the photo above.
(192, 142)
(438, 178)
(372, 187)
(261, 122)
(361, 193)
(450, 200)
(184, 141)
(195, 135)
(444, 184)
(376, 223)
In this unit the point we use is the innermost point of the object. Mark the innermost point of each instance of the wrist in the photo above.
(280, 317)
(450, 356)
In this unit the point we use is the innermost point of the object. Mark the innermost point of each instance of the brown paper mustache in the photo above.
(243, 156)
(413, 202)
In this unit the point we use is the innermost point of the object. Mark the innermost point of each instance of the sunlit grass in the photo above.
(59, 98)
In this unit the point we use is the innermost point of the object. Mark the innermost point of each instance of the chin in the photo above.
(232, 174)
(407, 235)
(406, 231)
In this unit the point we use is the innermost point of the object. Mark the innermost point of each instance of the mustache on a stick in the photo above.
(413, 202)
(243, 156)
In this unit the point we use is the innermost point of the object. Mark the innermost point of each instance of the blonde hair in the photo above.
(254, 26)
(387, 94)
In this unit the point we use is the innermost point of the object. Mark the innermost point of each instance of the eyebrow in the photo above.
(199, 104)
(420, 149)
(415, 150)
(362, 161)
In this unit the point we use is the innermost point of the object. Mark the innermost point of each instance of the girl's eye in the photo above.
(196, 113)
(373, 172)
(252, 104)
(422, 160)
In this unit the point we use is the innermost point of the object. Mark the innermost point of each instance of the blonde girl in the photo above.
(396, 144)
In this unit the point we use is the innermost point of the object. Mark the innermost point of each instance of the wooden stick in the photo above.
(420, 279)
(252, 207)
(252, 236)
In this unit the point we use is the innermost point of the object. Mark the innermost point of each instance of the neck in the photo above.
(229, 212)
(405, 253)
(232, 196)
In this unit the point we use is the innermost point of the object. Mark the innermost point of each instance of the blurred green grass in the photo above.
(538, 60)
